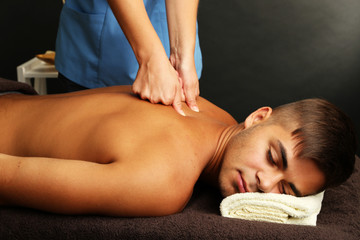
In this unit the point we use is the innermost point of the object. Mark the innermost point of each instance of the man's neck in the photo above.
(211, 171)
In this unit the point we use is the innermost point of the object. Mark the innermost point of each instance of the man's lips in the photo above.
(241, 183)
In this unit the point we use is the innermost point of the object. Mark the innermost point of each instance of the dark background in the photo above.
(255, 53)
(27, 28)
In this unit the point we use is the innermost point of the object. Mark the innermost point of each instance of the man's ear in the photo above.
(258, 116)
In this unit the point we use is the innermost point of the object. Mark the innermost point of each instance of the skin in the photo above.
(158, 79)
(253, 161)
(105, 151)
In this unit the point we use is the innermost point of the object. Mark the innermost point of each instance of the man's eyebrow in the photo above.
(295, 190)
(283, 155)
(285, 165)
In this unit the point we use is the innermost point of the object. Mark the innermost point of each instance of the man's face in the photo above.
(261, 159)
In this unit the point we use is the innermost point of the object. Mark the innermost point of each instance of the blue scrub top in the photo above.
(92, 50)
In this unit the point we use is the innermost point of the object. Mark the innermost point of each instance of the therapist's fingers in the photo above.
(191, 102)
(191, 91)
(190, 97)
(190, 85)
(182, 88)
(156, 81)
(177, 102)
(183, 98)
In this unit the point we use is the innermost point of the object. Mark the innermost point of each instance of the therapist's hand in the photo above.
(157, 79)
(159, 82)
(181, 19)
(189, 79)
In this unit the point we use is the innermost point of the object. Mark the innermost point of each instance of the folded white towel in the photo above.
(272, 207)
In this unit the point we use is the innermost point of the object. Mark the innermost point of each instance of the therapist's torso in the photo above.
(92, 50)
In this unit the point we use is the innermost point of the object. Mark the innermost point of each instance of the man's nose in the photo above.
(268, 181)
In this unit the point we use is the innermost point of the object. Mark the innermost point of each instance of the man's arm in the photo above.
(181, 17)
(80, 187)
(157, 80)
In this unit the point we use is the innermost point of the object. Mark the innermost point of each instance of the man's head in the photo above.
(299, 148)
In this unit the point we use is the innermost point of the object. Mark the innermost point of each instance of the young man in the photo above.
(105, 151)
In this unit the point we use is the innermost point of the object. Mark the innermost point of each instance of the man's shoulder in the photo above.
(159, 186)
(215, 112)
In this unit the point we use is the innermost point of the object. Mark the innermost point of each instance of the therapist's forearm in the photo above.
(135, 23)
(181, 17)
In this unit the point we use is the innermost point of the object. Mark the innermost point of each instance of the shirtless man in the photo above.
(105, 151)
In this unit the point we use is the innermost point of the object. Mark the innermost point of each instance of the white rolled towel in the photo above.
(272, 207)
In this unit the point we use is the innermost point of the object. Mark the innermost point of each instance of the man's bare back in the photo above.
(147, 155)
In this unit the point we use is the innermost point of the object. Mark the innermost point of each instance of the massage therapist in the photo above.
(151, 44)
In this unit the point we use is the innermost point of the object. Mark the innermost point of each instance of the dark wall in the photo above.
(263, 52)
(27, 28)
(255, 53)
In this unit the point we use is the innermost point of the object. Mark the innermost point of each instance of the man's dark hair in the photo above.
(324, 134)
